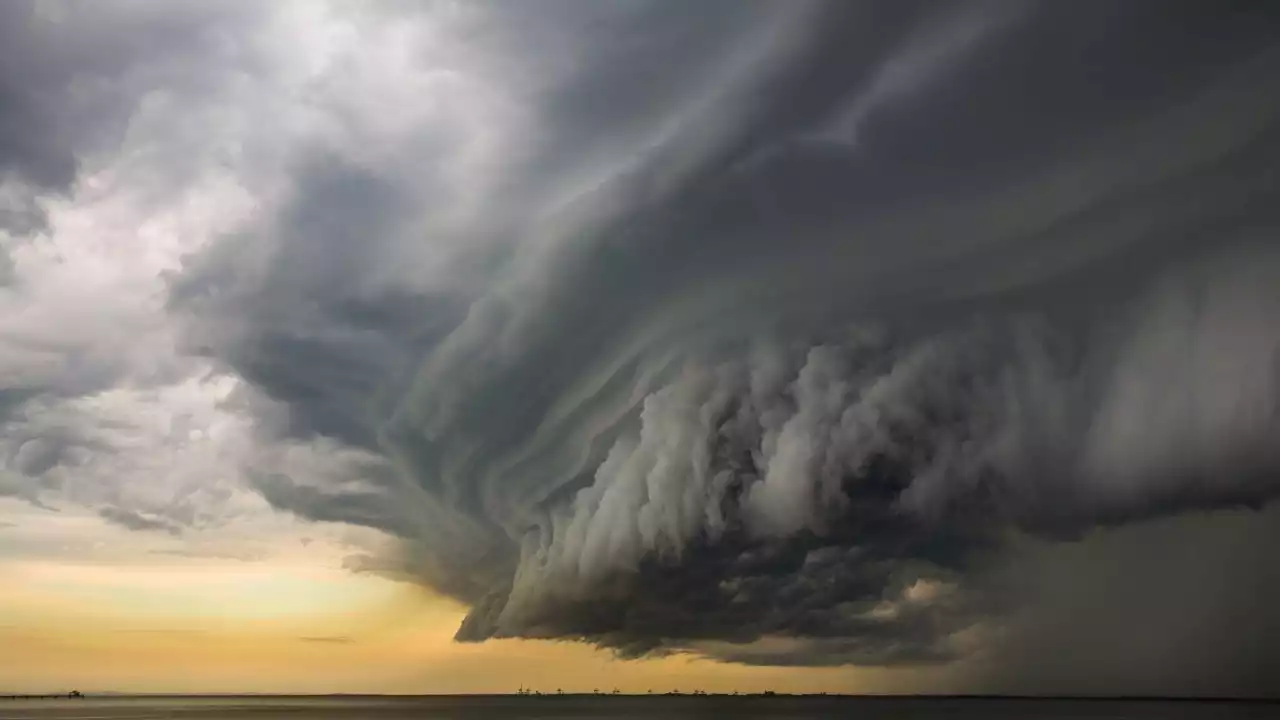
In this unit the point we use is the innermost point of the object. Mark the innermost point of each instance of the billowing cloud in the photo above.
(767, 392)
(769, 331)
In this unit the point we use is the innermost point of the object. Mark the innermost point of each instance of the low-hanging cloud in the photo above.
(674, 376)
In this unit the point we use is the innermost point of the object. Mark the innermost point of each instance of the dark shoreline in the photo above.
(926, 697)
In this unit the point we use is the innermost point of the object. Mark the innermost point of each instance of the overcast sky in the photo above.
(825, 345)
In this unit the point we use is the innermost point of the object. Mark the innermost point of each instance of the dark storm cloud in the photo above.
(775, 339)
(356, 506)
(310, 307)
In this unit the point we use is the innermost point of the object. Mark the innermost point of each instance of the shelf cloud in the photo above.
(779, 333)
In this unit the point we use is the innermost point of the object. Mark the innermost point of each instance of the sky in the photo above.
(812, 345)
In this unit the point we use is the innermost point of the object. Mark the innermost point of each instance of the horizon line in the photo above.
(100, 694)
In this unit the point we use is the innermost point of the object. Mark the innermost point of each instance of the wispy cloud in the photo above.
(212, 553)
(136, 521)
(328, 639)
(159, 631)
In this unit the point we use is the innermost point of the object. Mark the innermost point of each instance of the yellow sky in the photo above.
(225, 626)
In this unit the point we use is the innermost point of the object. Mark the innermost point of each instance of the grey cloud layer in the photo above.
(759, 331)
(72, 74)
(72, 78)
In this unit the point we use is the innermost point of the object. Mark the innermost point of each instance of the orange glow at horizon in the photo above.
(236, 627)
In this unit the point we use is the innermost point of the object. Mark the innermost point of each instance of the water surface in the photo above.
(664, 707)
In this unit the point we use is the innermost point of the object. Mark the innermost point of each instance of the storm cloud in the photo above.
(861, 292)
(776, 332)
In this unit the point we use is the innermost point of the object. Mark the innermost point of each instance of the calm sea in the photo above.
(666, 708)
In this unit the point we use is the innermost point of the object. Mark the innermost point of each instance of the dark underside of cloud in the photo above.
(860, 299)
